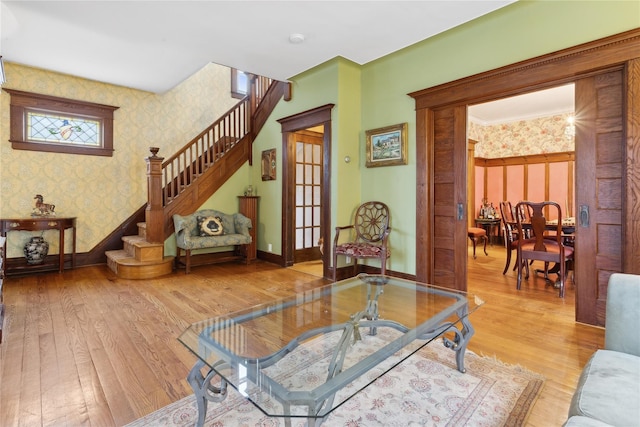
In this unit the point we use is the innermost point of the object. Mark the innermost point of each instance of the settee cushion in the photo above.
(608, 389)
(210, 226)
(189, 234)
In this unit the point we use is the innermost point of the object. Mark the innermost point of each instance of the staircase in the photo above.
(139, 259)
(183, 182)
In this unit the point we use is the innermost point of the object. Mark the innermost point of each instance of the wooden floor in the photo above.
(86, 348)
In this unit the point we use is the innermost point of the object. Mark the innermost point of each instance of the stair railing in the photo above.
(167, 179)
(186, 165)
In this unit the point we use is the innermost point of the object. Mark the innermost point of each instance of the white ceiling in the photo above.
(543, 103)
(154, 45)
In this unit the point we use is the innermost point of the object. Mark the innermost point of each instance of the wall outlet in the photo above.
(348, 260)
(270, 247)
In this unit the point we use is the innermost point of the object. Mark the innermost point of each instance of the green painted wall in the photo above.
(375, 95)
(336, 82)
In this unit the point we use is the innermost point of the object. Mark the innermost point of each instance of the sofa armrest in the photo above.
(623, 314)
(242, 224)
(179, 222)
(183, 226)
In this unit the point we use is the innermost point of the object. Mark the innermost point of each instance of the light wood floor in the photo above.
(87, 348)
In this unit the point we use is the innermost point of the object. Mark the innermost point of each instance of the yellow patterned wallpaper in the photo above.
(101, 191)
(522, 138)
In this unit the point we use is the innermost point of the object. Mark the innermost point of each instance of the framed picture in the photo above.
(387, 146)
(269, 165)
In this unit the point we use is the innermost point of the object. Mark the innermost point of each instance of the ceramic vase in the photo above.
(35, 250)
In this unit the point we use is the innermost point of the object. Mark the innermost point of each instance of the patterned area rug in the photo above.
(424, 390)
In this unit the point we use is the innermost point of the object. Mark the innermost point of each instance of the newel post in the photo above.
(154, 214)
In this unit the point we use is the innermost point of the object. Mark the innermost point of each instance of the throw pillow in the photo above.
(210, 226)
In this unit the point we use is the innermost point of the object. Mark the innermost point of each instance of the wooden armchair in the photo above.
(545, 242)
(370, 232)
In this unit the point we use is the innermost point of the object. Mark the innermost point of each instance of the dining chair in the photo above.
(524, 213)
(509, 232)
(370, 232)
(544, 242)
(475, 234)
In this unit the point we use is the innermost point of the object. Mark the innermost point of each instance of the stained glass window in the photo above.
(63, 129)
(60, 125)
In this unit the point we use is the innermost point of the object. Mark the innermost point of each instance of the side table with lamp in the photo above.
(489, 224)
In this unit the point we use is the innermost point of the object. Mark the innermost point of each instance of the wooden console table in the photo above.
(40, 223)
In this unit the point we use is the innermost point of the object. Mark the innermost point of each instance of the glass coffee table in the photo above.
(304, 356)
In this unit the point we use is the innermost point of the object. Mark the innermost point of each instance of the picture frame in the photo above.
(387, 146)
(269, 165)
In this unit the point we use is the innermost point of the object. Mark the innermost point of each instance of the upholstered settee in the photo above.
(210, 228)
(608, 391)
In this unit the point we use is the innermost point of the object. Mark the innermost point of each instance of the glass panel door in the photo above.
(308, 196)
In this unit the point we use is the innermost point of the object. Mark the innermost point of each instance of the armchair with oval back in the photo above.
(370, 233)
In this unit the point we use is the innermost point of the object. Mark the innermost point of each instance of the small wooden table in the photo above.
(41, 223)
(489, 224)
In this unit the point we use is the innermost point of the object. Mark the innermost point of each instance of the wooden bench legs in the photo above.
(240, 253)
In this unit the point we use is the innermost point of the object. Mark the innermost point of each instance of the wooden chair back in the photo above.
(539, 231)
(371, 222)
(508, 222)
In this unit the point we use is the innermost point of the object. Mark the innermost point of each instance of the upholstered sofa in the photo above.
(608, 392)
(210, 228)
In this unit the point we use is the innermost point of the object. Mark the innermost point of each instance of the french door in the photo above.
(308, 195)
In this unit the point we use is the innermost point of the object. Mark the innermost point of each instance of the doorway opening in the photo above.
(309, 243)
(306, 199)
(521, 148)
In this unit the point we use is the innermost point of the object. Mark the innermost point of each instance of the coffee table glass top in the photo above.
(305, 355)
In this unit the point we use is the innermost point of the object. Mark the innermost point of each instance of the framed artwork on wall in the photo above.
(387, 146)
(269, 165)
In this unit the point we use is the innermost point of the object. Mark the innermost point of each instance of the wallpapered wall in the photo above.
(522, 138)
(101, 191)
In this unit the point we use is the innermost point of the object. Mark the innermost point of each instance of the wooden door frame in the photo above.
(543, 72)
(320, 116)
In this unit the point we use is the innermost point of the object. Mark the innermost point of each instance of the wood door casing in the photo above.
(600, 156)
(320, 116)
(620, 51)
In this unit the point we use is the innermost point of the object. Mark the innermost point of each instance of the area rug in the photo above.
(424, 390)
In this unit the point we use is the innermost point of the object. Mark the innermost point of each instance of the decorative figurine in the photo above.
(41, 208)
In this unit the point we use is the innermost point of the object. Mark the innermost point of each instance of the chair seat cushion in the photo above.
(476, 232)
(550, 246)
(358, 250)
(608, 389)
